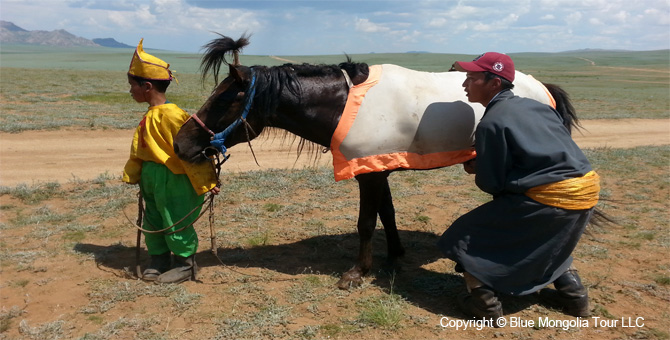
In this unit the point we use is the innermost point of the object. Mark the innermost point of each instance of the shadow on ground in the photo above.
(334, 254)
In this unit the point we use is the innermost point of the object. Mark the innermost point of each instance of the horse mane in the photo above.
(564, 107)
(272, 82)
(358, 72)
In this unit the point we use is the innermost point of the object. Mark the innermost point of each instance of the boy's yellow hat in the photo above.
(147, 66)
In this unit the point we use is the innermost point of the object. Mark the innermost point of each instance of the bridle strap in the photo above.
(218, 139)
(202, 125)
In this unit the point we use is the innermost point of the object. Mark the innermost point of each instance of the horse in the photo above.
(309, 100)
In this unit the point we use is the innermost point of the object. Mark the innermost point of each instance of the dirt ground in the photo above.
(72, 279)
(46, 156)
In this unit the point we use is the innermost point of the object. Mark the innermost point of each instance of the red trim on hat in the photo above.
(496, 63)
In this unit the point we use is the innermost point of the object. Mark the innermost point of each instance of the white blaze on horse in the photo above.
(376, 119)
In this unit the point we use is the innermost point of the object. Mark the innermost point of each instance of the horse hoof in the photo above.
(349, 280)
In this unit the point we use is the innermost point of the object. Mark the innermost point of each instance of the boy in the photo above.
(171, 188)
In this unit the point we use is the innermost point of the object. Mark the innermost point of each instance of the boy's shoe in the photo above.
(159, 265)
(184, 269)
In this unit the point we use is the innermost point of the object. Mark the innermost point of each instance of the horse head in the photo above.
(223, 117)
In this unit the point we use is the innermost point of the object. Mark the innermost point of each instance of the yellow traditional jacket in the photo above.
(153, 142)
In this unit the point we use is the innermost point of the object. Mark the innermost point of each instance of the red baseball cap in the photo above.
(496, 63)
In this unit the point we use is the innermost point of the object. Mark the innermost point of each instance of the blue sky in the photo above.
(281, 27)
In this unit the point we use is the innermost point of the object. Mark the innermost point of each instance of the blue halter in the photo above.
(218, 139)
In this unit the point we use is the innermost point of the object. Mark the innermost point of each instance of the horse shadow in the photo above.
(433, 291)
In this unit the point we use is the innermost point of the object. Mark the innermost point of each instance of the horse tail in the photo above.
(216, 51)
(601, 219)
(564, 106)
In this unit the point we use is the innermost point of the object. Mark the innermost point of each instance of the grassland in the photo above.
(284, 236)
(67, 261)
(49, 89)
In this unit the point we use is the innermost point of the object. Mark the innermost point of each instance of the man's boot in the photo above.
(184, 269)
(482, 302)
(570, 295)
(159, 264)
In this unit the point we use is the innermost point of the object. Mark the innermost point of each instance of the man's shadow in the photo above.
(334, 254)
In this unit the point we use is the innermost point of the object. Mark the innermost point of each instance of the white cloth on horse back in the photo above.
(401, 118)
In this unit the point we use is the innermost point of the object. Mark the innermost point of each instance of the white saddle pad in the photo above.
(401, 118)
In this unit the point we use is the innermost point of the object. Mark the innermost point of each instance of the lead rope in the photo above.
(140, 214)
(216, 166)
(138, 226)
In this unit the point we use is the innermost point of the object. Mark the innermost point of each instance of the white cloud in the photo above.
(168, 6)
(408, 37)
(120, 19)
(573, 18)
(461, 11)
(318, 27)
(498, 26)
(366, 26)
(144, 15)
(659, 17)
(437, 22)
(595, 22)
(621, 16)
(220, 20)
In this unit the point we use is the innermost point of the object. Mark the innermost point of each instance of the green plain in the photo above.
(51, 88)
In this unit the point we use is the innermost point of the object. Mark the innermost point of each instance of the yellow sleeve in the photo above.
(133, 169)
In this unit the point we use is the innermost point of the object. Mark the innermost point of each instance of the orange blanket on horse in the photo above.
(374, 135)
(405, 119)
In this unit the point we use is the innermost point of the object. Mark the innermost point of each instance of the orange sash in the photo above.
(572, 194)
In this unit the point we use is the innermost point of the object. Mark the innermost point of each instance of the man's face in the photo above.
(477, 89)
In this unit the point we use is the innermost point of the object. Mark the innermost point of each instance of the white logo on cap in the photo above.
(498, 66)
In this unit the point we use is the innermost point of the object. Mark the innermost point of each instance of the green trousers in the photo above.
(167, 199)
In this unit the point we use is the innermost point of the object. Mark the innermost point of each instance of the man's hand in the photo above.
(470, 166)
(215, 190)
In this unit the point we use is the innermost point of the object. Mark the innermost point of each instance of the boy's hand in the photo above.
(215, 190)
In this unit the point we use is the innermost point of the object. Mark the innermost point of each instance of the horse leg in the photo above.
(371, 188)
(387, 216)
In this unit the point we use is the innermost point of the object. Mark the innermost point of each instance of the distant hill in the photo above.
(587, 50)
(12, 34)
(110, 42)
(11, 27)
